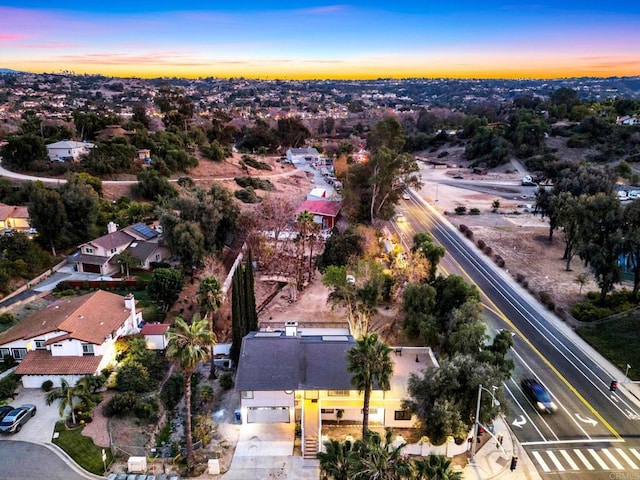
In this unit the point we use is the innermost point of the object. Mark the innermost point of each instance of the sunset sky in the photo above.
(356, 39)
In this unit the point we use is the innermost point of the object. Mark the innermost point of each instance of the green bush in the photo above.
(8, 386)
(146, 408)
(133, 377)
(255, 183)
(461, 210)
(47, 385)
(6, 318)
(226, 381)
(481, 244)
(172, 391)
(247, 195)
(121, 404)
(474, 211)
(9, 361)
(252, 162)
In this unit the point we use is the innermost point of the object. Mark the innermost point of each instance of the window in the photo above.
(114, 250)
(328, 410)
(338, 393)
(4, 352)
(39, 344)
(402, 415)
(372, 411)
(246, 394)
(87, 349)
(19, 353)
(88, 250)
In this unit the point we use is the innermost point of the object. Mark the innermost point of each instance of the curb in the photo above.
(69, 461)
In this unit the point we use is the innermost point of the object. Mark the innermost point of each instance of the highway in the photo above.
(595, 432)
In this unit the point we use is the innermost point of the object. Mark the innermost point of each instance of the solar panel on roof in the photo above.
(143, 230)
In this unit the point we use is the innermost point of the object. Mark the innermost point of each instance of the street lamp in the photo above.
(476, 423)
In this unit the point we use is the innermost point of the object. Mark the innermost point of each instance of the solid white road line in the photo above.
(627, 459)
(541, 461)
(584, 460)
(555, 461)
(613, 459)
(567, 457)
(598, 460)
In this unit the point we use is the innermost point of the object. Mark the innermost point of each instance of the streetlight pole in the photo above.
(626, 378)
(476, 422)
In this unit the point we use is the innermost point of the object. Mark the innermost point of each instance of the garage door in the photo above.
(268, 415)
(88, 268)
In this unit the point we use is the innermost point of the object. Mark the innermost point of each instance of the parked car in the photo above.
(538, 394)
(16, 418)
(4, 410)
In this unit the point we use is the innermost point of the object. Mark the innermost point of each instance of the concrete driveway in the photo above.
(40, 428)
(265, 450)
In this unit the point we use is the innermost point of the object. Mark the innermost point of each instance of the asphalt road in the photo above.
(28, 461)
(594, 432)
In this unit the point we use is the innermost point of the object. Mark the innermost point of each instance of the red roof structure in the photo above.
(320, 207)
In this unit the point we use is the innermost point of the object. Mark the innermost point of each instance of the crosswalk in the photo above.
(583, 459)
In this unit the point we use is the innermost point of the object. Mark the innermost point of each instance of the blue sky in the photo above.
(307, 39)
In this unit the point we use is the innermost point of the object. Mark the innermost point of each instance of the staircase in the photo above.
(310, 447)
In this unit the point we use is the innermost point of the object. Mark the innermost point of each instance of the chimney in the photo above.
(130, 303)
(111, 227)
(290, 329)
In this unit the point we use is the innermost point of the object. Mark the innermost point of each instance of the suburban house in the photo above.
(100, 256)
(300, 374)
(112, 131)
(14, 217)
(324, 212)
(68, 150)
(302, 155)
(70, 338)
(156, 335)
(628, 120)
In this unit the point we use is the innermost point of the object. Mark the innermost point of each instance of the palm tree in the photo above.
(369, 362)
(381, 459)
(67, 394)
(436, 467)
(188, 346)
(210, 297)
(338, 460)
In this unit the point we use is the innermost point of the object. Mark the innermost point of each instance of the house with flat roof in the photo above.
(68, 150)
(302, 155)
(298, 374)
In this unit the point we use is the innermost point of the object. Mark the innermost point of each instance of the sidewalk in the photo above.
(493, 460)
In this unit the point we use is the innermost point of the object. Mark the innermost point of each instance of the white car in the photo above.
(400, 218)
(406, 196)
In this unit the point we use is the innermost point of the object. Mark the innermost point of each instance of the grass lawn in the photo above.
(82, 449)
(615, 341)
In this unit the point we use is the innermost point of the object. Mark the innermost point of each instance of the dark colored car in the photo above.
(538, 395)
(16, 418)
(4, 410)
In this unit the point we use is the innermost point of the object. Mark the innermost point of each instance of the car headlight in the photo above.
(554, 407)
(540, 405)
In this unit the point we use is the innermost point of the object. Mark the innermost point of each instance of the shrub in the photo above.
(443, 154)
(474, 211)
(546, 299)
(252, 162)
(247, 195)
(468, 234)
(488, 250)
(255, 183)
(460, 210)
(146, 408)
(481, 244)
(499, 261)
(463, 228)
(132, 377)
(6, 318)
(121, 404)
(47, 385)
(520, 278)
(226, 381)
(8, 360)
(155, 265)
(172, 391)
(8, 385)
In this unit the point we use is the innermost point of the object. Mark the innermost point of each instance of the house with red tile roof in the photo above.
(70, 338)
(156, 335)
(324, 212)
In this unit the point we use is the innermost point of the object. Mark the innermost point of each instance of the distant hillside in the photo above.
(8, 70)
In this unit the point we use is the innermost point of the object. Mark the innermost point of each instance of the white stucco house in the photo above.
(156, 335)
(70, 338)
(68, 150)
(302, 155)
(300, 374)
